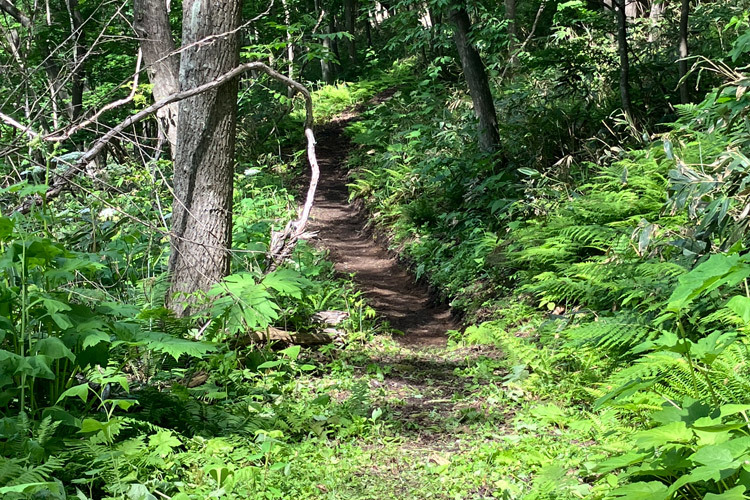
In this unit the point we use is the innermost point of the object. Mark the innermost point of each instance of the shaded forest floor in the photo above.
(444, 419)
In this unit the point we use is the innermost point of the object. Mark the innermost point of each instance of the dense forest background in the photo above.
(572, 177)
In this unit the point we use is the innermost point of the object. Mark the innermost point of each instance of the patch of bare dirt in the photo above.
(389, 287)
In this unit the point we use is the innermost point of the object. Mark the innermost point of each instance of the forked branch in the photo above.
(282, 243)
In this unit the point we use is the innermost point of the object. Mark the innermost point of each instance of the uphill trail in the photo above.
(390, 288)
(439, 411)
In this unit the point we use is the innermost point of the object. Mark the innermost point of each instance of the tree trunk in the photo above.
(204, 166)
(622, 49)
(655, 16)
(289, 45)
(332, 42)
(79, 53)
(510, 16)
(151, 23)
(476, 79)
(350, 20)
(325, 65)
(683, 64)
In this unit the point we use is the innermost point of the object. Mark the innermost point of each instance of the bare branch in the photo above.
(115, 104)
(16, 14)
(283, 243)
(20, 126)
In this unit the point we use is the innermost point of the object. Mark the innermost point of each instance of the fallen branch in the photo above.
(282, 243)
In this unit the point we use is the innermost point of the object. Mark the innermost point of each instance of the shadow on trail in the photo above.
(389, 287)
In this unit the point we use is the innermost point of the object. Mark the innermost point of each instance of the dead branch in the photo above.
(282, 243)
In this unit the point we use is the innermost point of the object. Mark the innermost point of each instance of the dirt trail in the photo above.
(390, 288)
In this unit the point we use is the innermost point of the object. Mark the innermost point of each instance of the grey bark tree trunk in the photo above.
(655, 16)
(204, 166)
(151, 23)
(79, 53)
(325, 65)
(350, 20)
(476, 79)
(510, 16)
(622, 49)
(684, 52)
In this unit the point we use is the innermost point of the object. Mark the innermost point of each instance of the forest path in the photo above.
(437, 402)
(389, 287)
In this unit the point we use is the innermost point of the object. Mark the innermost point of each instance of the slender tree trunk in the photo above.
(325, 65)
(289, 45)
(79, 53)
(683, 64)
(350, 20)
(655, 16)
(476, 79)
(151, 23)
(332, 42)
(622, 49)
(204, 167)
(368, 29)
(51, 68)
(510, 16)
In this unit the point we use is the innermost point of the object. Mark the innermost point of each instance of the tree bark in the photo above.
(350, 20)
(655, 16)
(622, 49)
(510, 16)
(79, 53)
(325, 65)
(204, 165)
(477, 81)
(151, 23)
(683, 64)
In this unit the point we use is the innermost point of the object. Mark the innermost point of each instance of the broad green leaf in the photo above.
(736, 493)
(139, 492)
(38, 367)
(6, 228)
(715, 455)
(95, 338)
(269, 364)
(53, 348)
(292, 352)
(740, 305)
(81, 391)
(619, 462)
(675, 432)
(733, 409)
(163, 442)
(91, 425)
(653, 490)
(30, 488)
(718, 270)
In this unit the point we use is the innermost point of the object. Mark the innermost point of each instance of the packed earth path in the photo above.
(391, 289)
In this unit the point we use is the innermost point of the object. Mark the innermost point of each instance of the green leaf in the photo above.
(91, 425)
(292, 352)
(163, 442)
(718, 270)
(81, 391)
(286, 282)
(736, 493)
(95, 338)
(675, 432)
(653, 490)
(30, 488)
(740, 305)
(6, 228)
(53, 348)
(715, 455)
(269, 364)
(620, 462)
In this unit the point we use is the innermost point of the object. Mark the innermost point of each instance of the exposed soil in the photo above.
(389, 287)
